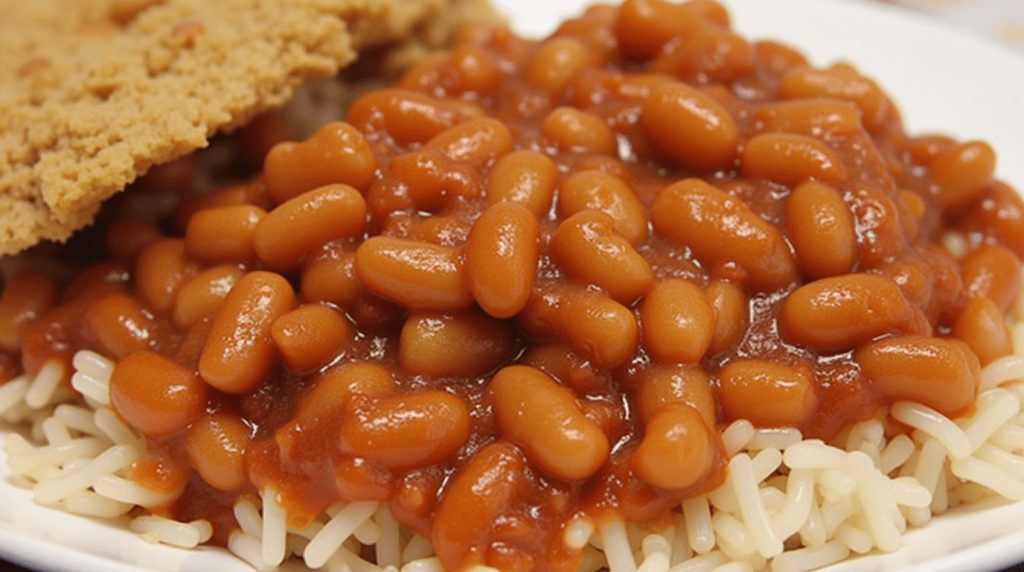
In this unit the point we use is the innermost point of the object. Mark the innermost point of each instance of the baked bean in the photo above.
(790, 159)
(820, 228)
(445, 230)
(587, 247)
(558, 62)
(477, 495)
(732, 315)
(941, 373)
(528, 178)
(426, 179)
(223, 234)
(201, 295)
(407, 432)
(542, 417)
(661, 385)
(311, 219)
(777, 58)
(644, 26)
(127, 236)
(709, 10)
(572, 130)
(912, 209)
(980, 325)
(476, 70)
(337, 384)
(691, 127)
(330, 276)
(837, 83)
(501, 258)
(215, 445)
(156, 395)
(710, 54)
(417, 275)
(234, 195)
(994, 272)
(336, 153)
(240, 350)
(999, 213)
(820, 118)
(311, 336)
(878, 224)
(120, 325)
(838, 313)
(588, 321)
(767, 394)
(962, 173)
(26, 297)
(721, 229)
(160, 269)
(463, 344)
(678, 322)
(476, 142)
(596, 190)
(677, 449)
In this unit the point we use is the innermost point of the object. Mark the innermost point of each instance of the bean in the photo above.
(330, 276)
(677, 321)
(693, 128)
(476, 70)
(160, 269)
(311, 336)
(790, 159)
(661, 385)
(407, 432)
(596, 190)
(589, 322)
(462, 344)
(407, 116)
(534, 412)
(572, 130)
(820, 228)
(999, 213)
(239, 352)
(819, 118)
(203, 294)
(732, 315)
(120, 325)
(587, 247)
(644, 26)
(778, 58)
(528, 178)
(417, 275)
(501, 258)
(981, 326)
(878, 224)
(994, 272)
(230, 196)
(721, 229)
(215, 445)
(677, 450)
(336, 154)
(767, 394)
(155, 395)
(307, 221)
(223, 234)
(837, 83)
(941, 373)
(558, 62)
(26, 297)
(337, 384)
(476, 497)
(476, 142)
(839, 313)
(427, 179)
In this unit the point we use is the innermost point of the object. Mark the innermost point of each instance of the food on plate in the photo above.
(98, 91)
(643, 294)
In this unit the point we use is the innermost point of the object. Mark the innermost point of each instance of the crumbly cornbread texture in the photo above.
(95, 92)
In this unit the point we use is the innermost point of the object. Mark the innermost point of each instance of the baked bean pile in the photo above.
(531, 281)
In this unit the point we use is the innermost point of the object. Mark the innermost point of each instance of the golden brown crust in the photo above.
(94, 92)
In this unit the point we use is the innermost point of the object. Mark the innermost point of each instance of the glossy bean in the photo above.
(501, 258)
(767, 394)
(414, 274)
(677, 322)
(156, 395)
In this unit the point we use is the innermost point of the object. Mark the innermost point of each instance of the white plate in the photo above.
(942, 82)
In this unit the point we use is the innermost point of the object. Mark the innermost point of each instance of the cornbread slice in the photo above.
(95, 92)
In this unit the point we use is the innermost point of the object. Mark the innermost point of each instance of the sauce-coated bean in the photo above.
(461, 344)
(821, 230)
(415, 274)
(692, 127)
(677, 450)
(156, 395)
(677, 321)
(337, 153)
(767, 394)
(501, 258)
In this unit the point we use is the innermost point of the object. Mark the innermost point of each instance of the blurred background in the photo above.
(1000, 20)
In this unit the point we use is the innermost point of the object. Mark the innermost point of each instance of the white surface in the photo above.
(941, 81)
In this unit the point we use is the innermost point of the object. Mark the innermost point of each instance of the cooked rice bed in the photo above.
(534, 300)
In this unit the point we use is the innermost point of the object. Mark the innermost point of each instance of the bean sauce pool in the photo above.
(531, 281)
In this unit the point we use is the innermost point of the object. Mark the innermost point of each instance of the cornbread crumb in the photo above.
(95, 92)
